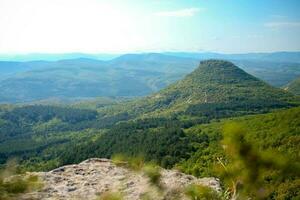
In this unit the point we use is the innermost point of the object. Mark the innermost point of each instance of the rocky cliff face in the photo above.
(93, 177)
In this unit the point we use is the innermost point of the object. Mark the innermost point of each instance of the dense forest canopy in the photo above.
(294, 86)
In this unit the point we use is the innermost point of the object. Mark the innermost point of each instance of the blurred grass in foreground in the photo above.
(12, 185)
(245, 170)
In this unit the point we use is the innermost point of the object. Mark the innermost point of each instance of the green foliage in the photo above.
(164, 145)
(294, 86)
(254, 153)
(216, 89)
(12, 185)
(110, 196)
(28, 130)
(133, 163)
(221, 81)
(138, 164)
(247, 167)
(130, 75)
(199, 192)
(99, 102)
(153, 172)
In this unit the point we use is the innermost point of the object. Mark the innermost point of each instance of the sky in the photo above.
(119, 26)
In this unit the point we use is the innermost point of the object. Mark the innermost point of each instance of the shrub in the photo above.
(199, 192)
(111, 196)
(153, 172)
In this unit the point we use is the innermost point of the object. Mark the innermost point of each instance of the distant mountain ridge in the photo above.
(22, 81)
(54, 57)
(129, 75)
(273, 57)
(281, 56)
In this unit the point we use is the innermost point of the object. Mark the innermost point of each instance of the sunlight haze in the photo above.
(118, 26)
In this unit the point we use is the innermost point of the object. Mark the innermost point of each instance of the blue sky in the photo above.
(114, 26)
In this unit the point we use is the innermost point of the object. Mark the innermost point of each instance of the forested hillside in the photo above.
(126, 76)
(277, 133)
(294, 86)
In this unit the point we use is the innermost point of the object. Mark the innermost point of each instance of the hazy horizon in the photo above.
(143, 52)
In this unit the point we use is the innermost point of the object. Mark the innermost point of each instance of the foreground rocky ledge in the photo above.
(95, 176)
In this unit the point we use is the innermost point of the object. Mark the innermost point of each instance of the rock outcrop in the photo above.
(93, 177)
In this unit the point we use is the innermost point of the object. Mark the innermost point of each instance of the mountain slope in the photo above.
(86, 78)
(277, 132)
(294, 87)
(222, 81)
(213, 83)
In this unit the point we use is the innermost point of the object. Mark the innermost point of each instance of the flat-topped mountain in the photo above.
(213, 82)
(94, 177)
(221, 81)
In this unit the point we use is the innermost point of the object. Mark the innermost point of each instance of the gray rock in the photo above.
(92, 177)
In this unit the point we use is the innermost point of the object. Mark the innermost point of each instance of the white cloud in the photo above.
(282, 24)
(187, 12)
(278, 16)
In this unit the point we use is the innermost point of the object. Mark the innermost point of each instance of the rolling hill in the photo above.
(284, 56)
(294, 86)
(86, 78)
(277, 132)
(273, 56)
(55, 57)
(129, 75)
